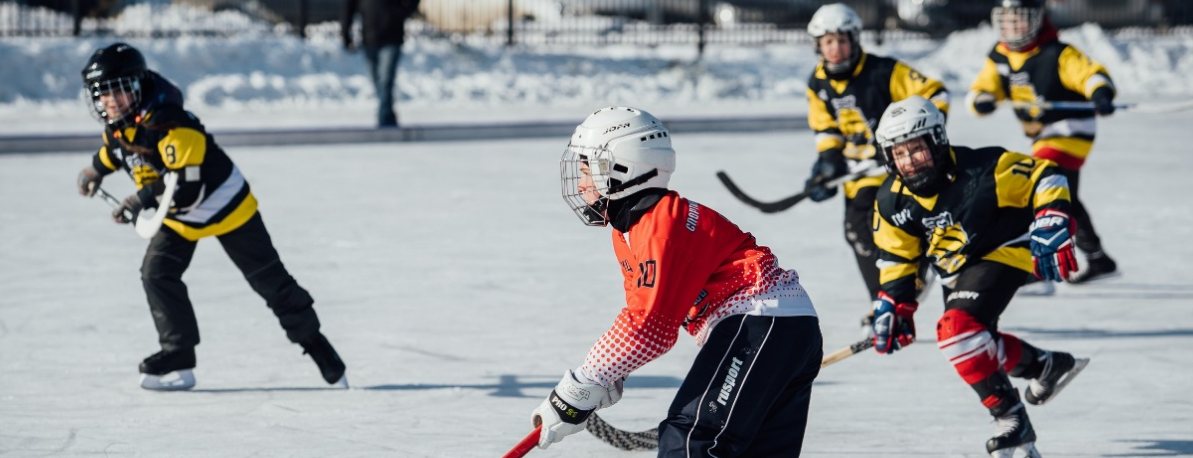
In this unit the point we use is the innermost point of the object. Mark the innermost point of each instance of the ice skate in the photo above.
(169, 370)
(1059, 369)
(325, 356)
(1037, 288)
(1098, 266)
(1014, 437)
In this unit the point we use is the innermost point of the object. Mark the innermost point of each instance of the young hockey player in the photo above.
(685, 266)
(148, 134)
(1031, 68)
(984, 218)
(847, 92)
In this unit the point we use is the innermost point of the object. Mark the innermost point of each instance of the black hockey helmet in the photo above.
(112, 78)
(1027, 12)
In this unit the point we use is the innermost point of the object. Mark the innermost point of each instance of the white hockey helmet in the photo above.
(1018, 22)
(616, 152)
(909, 119)
(838, 18)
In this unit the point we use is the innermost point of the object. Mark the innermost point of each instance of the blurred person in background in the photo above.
(1030, 67)
(847, 92)
(383, 29)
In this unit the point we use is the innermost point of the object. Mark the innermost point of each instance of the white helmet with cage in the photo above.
(910, 119)
(838, 18)
(616, 152)
(1018, 22)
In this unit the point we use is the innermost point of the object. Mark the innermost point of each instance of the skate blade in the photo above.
(1078, 366)
(1096, 278)
(173, 381)
(1026, 450)
(342, 382)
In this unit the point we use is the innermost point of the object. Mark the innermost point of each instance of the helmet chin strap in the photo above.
(640, 179)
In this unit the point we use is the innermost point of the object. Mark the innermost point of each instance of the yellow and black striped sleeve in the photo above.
(104, 161)
(1081, 74)
(906, 82)
(824, 126)
(1022, 181)
(988, 81)
(899, 254)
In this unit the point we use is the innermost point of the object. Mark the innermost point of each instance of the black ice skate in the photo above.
(1059, 369)
(1098, 266)
(330, 364)
(169, 370)
(1014, 438)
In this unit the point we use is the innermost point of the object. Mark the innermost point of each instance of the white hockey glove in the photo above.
(566, 410)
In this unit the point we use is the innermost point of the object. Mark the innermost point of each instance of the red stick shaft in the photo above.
(525, 445)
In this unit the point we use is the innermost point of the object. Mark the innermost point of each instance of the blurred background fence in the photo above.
(646, 22)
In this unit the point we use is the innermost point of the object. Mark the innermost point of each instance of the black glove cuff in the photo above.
(568, 413)
(1104, 94)
(149, 193)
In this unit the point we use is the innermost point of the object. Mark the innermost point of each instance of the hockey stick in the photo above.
(783, 204)
(147, 227)
(1160, 107)
(115, 203)
(649, 439)
(525, 445)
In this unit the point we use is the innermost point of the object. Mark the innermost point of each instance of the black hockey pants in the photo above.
(1087, 238)
(748, 391)
(859, 217)
(251, 249)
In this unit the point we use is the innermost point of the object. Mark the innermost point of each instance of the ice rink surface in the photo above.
(458, 288)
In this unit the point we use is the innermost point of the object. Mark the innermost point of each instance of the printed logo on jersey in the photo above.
(693, 216)
(625, 264)
(932, 222)
(945, 245)
(969, 295)
(902, 217)
(844, 103)
(1024, 92)
(730, 381)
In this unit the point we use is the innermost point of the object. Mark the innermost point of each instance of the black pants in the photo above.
(859, 218)
(748, 391)
(252, 251)
(992, 286)
(1087, 238)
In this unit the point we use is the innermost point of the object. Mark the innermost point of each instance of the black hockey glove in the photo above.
(984, 103)
(830, 165)
(1103, 99)
(128, 209)
(89, 181)
(134, 203)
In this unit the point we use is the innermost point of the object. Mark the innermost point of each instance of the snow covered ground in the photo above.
(458, 288)
(269, 81)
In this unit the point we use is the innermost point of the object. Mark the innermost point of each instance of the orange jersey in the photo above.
(687, 266)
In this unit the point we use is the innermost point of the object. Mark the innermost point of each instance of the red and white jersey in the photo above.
(687, 266)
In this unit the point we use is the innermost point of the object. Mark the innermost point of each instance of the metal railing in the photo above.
(646, 22)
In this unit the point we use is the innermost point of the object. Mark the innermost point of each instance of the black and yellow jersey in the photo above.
(844, 113)
(1051, 72)
(212, 198)
(985, 213)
